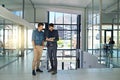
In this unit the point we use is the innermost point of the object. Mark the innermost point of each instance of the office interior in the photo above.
(84, 28)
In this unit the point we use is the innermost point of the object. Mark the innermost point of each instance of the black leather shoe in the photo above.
(50, 70)
(33, 73)
(38, 70)
(54, 72)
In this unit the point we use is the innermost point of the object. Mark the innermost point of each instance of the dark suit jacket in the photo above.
(52, 34)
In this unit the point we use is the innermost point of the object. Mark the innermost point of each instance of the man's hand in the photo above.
(33, 43)
(49, 39)
(34, 47)
(43, 47)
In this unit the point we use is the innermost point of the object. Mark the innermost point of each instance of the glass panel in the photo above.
(67, 18)
(74, 39)
(15, 36)
(1, 41)
(67, 27)
(18, 13)
(107, 27)
(61, 38)
(59, 27)
(96, 38)
(9, 38)
(115, 26)
(64, 40)
(118, 45)
(59, 52)
(8, 42)
(103, 36)
(67, 35)
(66, 53)
(73, 53)
(69, 63)
(89, 38)
(30, 38)
(59, 66)
(67, 39)
(52, 17)
(59, 18)
(74, 27)
(66, 44)
(115, 45)
(74, 19)
(108, 36)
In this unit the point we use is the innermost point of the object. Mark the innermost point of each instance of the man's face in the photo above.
(51, 28)
(40, 28)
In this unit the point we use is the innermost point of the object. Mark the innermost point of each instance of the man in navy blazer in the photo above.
(52, 38)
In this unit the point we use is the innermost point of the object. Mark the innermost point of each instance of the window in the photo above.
(18, 13)
(59, 18)
(67, 18)
(74, 19)
(51, 17)
(66, 24)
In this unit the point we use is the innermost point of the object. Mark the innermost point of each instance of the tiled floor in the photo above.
(21, 70)
(6, 60)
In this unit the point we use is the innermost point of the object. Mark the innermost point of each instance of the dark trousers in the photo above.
(52, 54)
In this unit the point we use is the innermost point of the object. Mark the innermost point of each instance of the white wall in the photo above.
(29, 14)
(41, 15)
(107, 17)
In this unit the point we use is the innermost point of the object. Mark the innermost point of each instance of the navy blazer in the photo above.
(52, 34)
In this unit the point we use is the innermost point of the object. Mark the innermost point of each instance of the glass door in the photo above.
(108, 34)
(107, 47)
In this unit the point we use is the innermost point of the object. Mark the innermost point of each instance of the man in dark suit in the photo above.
(52, 38)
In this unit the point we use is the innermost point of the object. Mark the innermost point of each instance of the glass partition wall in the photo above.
(9, 38)
(103, 24)
(10, 41)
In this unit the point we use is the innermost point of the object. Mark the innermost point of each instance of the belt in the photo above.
(38, 44)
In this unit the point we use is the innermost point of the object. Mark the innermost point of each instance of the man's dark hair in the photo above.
(51, 24)
(40, 24)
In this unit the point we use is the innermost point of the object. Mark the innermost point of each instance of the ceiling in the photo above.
(75, 3)
(69, 3)
(108, 5)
